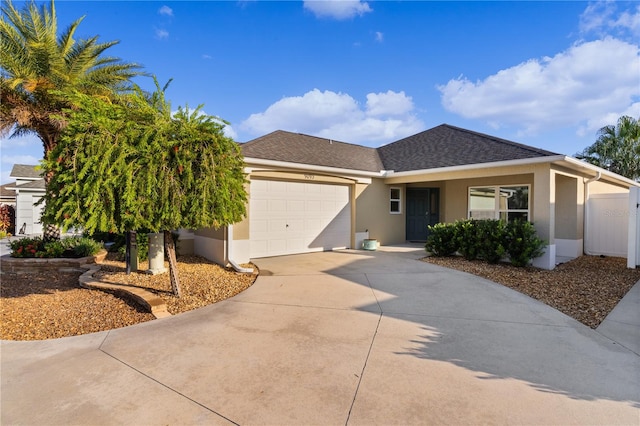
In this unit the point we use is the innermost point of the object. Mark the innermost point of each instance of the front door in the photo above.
(423, 209)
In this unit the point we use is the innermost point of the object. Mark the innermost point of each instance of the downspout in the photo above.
(228, 259)
(587, 212)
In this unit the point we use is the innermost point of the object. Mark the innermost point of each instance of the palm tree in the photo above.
(617, 148)
(38, 67)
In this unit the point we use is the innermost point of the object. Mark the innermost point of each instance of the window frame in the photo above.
(395, 200)
(497, 211)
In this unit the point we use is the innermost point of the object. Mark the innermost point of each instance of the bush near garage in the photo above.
(489, 239)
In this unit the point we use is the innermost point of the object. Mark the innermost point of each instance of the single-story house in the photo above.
(29, 188)
(311, 194)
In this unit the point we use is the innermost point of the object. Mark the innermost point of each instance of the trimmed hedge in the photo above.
(489, 240)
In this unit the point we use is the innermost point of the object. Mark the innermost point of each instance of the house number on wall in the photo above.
(309, 177)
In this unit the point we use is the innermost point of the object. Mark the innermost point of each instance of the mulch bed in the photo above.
(46, 306)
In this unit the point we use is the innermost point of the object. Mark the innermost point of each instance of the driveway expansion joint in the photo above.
(182, 395)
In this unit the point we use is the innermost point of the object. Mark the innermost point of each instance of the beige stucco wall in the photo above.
(372, 212)
(604, 187)
(568, 208)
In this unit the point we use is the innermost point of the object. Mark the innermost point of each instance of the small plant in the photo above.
(441, 240)
(490, 239)
(521, 242)
(26, 247)
(7, 219)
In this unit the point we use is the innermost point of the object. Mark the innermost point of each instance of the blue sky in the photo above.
(547, 74)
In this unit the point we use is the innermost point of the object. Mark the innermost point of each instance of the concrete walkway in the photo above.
(335, 338)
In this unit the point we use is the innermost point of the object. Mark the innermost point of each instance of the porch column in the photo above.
(544, 214)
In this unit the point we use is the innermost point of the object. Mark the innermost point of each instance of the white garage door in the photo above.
(298, 217)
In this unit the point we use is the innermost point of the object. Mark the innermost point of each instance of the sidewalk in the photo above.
(622, 325)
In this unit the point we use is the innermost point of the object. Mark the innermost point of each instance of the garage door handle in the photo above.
(287, 225)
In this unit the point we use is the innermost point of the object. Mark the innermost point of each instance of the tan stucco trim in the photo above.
(284, 165)
(301, 177)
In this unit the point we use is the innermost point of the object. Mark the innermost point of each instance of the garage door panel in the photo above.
(318, 217)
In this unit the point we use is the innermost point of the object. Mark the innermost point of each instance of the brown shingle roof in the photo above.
(7, 193)
(441, 146)
(305, 149)
(445, 146)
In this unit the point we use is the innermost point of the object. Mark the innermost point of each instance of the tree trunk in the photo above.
(170, 249)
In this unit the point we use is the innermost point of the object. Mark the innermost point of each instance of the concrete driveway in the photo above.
(334, 338)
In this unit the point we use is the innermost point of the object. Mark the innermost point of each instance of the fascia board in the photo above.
(580, 165)
(310, 167)
(476, 166)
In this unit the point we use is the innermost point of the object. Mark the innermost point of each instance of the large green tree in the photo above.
(617, 148)
(135, 165)
(37, 64)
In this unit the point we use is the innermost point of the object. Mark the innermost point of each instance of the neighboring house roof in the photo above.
(446, 146)
(25, 172)
(6, 193)
(304, 149)
(34, 185)
(441, 146)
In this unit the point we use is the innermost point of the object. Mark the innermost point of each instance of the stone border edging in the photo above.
(147, 299)
(30, 265)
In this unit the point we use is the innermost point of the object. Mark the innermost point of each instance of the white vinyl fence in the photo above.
(633, 250)
(607, 225)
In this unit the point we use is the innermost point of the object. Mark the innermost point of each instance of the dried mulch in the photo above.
(40, 306)
(35, 307)
(586, 288)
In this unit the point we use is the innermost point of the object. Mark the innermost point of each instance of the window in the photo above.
(499, 202)
(395, 202)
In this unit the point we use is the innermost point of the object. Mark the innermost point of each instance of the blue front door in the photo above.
(423, 209)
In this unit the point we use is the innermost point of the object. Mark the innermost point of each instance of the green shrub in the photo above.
(441, 240)
(86, 247)
(67, 247)
(466, 237)
(27, 247)
(521, 243)
(53, 249)
(490, 240)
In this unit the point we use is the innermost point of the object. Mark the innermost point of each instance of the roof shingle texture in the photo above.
(25, 171)
(305, 149)
(441, 146)
(446, 146)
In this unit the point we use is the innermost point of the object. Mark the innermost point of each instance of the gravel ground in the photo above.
(35, 307)
(586, 289)
(39, 306)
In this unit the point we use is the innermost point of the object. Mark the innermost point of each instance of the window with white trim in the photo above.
(509, 202)
(395, 200)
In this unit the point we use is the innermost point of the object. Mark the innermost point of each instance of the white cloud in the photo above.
(591, 79)
(165, 10)
(20, 159)
(379, 36)
(390, 103)
(230, 132)
(603, 18)
(337, 9)
(386, 116)
(162, 34)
